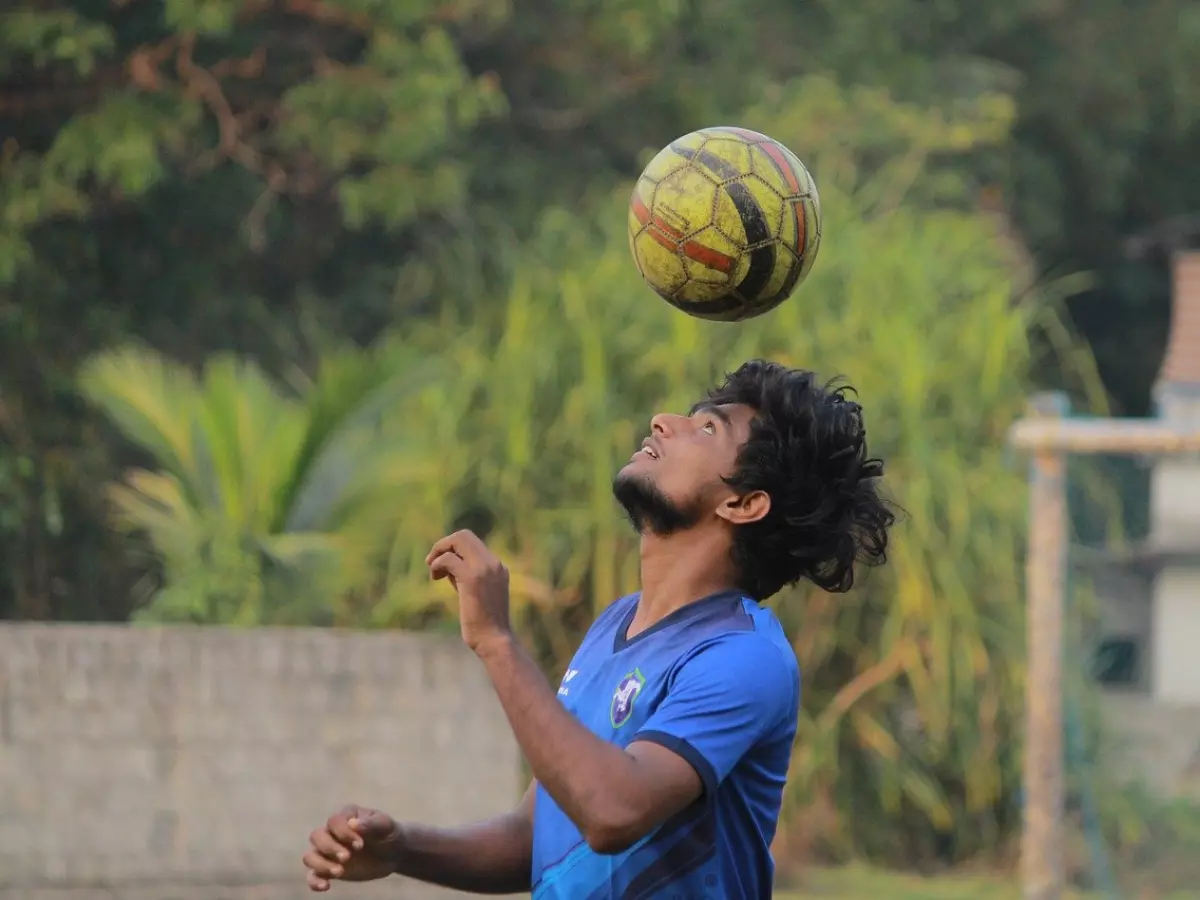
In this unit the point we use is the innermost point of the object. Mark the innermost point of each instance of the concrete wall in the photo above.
(164, 764)
(1157, 743)
(1175, 521)
(1175, 494)
(1126, 604)
(1176, 636)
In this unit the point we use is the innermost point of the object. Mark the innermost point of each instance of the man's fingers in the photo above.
(464, 543)
(319, 865)
(328, 846)
(317, 884)
(342, 829)
(447, 565)
(445, 545)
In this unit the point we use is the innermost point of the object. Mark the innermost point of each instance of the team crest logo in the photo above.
(623, 697)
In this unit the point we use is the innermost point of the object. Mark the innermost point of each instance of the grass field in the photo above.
(862, 883)
(859, 883)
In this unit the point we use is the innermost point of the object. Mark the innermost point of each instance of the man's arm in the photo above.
(614, 796)
(360, 844)
(492, 857)
(722, 700)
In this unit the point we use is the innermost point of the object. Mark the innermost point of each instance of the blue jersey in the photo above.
(716, 682)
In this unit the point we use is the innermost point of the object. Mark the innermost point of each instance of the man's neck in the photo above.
(680, 569)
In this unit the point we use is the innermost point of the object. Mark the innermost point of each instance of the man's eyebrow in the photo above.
(715, 410)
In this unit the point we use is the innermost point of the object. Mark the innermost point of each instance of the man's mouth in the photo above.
(649, 449)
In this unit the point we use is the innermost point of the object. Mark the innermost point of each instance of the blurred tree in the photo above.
(1097, 178)
(1099, 162)
(266, 506)
(243, 176)
(200, 176)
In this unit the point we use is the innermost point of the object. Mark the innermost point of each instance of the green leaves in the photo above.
(121, 142)
(118, 147)
(266, 506)
(375, 127)
(202, 17)
(384, 125)
(52, 37)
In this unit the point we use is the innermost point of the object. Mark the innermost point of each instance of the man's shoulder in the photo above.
(760, 655)
(768, 633)
(764, 649)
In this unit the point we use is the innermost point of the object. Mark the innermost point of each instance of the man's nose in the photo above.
(665, 424)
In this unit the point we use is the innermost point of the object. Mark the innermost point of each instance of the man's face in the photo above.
(674, 481)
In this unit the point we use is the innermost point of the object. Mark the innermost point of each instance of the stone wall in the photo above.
(164, 764)
(1154, 742)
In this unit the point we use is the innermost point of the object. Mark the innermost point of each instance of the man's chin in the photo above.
(648, 508)
(631, 470)
(633, 481)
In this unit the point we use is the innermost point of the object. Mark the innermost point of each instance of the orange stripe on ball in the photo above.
(707, 256)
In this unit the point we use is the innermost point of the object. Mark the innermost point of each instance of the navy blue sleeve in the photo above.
(721, 701)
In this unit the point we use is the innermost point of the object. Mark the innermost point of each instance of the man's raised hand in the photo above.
(482, 584)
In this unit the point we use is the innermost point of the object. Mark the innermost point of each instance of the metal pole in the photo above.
(1048, 435)
(1042, 845)
(1135, 436)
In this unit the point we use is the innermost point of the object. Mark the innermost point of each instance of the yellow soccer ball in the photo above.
(725, 223)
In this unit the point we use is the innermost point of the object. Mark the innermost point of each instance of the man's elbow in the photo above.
(618, 816)
(611, 839)
(613, 828)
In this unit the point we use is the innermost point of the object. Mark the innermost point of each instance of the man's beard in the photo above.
(649, 509)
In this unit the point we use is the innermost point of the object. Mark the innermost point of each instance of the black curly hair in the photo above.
(808, 451)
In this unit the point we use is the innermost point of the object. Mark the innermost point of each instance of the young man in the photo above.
(660, 761)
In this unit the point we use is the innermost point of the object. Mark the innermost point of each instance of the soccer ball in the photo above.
(725, 223)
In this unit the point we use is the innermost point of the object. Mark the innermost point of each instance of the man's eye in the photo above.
(710, 427)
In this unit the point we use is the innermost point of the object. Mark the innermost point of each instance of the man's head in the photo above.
(777, 459)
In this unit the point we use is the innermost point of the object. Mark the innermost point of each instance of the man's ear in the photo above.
(745, 508)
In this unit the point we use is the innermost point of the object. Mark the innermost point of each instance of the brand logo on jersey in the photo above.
(562, 688)
(624, 696)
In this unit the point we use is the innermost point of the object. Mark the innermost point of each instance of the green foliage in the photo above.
(377, 121)
(265, 505)
(49, 37)
(858, 882)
